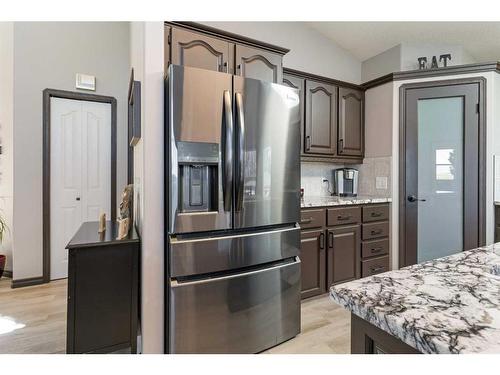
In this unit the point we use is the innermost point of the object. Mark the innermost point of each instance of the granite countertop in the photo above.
(447, 305)
(340, 201)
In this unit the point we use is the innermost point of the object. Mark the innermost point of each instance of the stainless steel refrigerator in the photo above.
(232, 182)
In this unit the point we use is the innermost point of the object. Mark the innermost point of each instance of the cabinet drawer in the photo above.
(344, 215)
(375, 230)
(374, 248)
(374, 266)
(312, 218)
(375, 213)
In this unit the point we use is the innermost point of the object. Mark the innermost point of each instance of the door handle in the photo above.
(413, 198)
(240, 166)
(77, 198)
(227, 170)
(330, 239)
(322, 241)
(308, 143)
(341, 145)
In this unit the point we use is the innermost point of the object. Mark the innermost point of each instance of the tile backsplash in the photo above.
(374, 177)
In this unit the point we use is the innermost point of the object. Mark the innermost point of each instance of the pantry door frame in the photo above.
(47, 95)
(408, 256)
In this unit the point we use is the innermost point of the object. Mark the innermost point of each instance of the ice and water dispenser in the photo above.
(198, 176)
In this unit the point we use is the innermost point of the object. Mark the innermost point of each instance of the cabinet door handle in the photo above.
(341, 145)
(377, 268)
(376, 249)
(225, 70)
(343, 218)
(306, 221)
(376, 214)
(374, 232)
(322, 241)
(308, 143)
(330, 239)
(238, 68)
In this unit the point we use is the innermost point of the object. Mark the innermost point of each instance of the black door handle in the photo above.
(413, 198)
(77, 198)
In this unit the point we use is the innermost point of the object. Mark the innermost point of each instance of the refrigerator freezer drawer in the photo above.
(214, 254)
(240, 313)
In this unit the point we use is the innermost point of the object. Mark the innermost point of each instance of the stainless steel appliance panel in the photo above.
(241, 313)
(267, 158)
(200, 120)
(219, 253)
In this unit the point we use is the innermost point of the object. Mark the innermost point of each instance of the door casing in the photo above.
(47, 95)
(405, 258)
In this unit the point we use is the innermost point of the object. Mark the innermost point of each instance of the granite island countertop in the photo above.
(317, 201)
(447, 305)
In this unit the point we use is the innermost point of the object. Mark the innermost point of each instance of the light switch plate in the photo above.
(381, 183)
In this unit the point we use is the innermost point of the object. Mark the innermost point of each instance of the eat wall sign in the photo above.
(443, 60)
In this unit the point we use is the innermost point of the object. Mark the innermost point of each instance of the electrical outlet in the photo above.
(381, 183)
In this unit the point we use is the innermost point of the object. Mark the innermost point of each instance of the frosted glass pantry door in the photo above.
(440, 177)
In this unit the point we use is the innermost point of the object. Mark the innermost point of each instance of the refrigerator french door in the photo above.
(233, 184)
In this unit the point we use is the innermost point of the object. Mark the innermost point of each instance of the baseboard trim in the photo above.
(7, 274)
(27, 282)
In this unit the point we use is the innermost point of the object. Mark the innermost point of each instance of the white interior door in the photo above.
(80, 172)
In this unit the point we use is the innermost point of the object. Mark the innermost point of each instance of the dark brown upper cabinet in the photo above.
(258, 64)
(351, 122)
(299, 84)
(321, 118)
(343, 254)
(312, 257)
(201, 51)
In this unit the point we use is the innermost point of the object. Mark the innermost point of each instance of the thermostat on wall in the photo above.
(85, 82)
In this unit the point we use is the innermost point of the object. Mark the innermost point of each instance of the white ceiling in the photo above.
(367, 39)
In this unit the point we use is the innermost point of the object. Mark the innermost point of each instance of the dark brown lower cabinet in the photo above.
(368, 339)
(343, 254)
(313, 256)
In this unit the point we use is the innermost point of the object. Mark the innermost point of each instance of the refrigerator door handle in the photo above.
(240, 121)
(227, 176)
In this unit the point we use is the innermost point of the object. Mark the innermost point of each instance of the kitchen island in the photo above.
(447, 305)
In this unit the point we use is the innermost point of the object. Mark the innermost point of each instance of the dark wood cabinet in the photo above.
(200, 51)
(204, 47)
(298, 83)
(351, 122)
(343, 243)
(258, 64)
(321, 118)
(312, 257)
(103, 290)
(343, 254)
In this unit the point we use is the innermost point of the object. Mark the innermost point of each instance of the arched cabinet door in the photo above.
(200, 51)
(297, 83)
(321, 118)
(351, 122)
(258, 64)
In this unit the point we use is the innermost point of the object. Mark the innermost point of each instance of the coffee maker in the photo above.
(345, 182)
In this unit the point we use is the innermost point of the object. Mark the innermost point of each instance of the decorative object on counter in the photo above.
(422, 62)
(134, 110)
(102, 222)
(125, 212)
(446, 305)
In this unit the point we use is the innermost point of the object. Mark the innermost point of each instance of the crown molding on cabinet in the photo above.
(314, 77)
(414, 74)
(235, 38)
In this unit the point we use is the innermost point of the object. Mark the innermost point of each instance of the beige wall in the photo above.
(6, 130)
(48, 55)
(146, 54)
